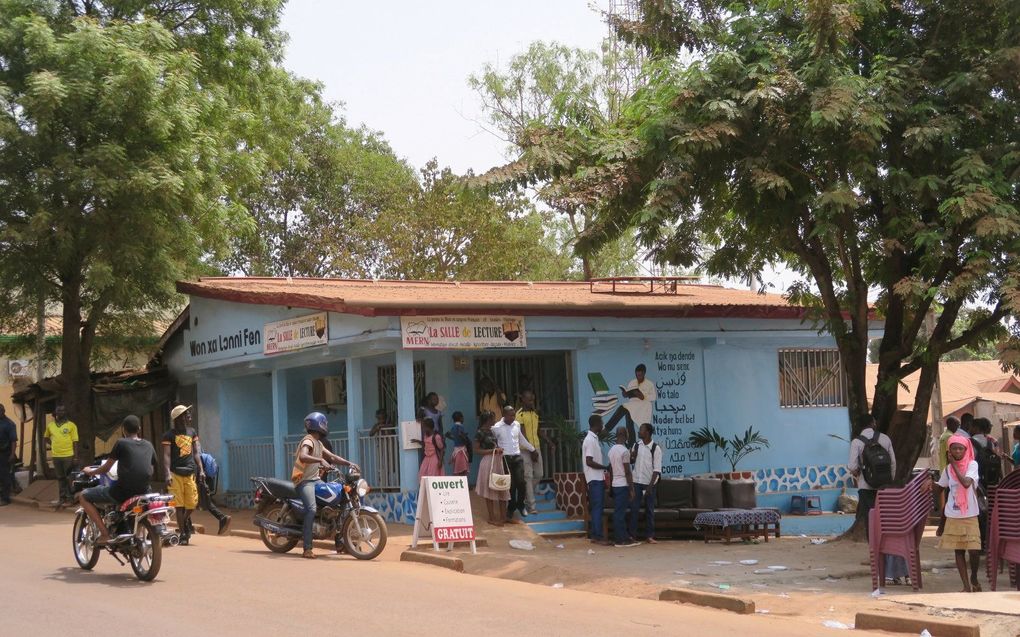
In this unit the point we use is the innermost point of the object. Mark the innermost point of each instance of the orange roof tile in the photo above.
(561, 298)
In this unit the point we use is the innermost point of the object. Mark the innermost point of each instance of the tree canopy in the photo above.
(551, 86)
(126, 131)
(872, 146)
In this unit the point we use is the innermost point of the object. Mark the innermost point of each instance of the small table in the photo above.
(744, 524)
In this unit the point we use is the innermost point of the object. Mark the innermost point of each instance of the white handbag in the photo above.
(500, 481)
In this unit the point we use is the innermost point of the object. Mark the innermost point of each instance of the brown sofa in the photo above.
(680, 500)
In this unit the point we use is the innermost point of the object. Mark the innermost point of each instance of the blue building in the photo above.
(255, 355)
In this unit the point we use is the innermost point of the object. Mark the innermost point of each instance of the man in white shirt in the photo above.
(866, 492)
(623, 488)
(594, 474)
(647, 457)
(508, 438)
(641, 396)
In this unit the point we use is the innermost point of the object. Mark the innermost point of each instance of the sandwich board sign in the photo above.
(444, 511)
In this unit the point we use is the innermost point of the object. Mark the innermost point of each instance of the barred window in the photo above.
(811, 378)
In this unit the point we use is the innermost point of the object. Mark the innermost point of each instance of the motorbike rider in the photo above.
(311, 459)
(136, 460)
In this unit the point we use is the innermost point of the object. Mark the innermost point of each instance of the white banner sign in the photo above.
(444, 508)
(296, 333)
(463, 332)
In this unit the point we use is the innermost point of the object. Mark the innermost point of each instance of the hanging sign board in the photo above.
(463, 332)
(444, 511)
(296, 333)
(410, 430)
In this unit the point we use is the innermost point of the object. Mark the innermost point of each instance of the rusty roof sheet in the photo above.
(561, 298)
(961, 381)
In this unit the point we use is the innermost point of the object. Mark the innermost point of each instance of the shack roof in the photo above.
(624, 298)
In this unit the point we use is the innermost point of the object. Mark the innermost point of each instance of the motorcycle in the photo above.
(138, 529)
(356, 529)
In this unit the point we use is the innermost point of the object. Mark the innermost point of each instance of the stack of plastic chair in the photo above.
(1004, 529)
(895, 527)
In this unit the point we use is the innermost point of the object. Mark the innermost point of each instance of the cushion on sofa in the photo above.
(688, 515)
(739, 494)
(674, 493)
(708, 493)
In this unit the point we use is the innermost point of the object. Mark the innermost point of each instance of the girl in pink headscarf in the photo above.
(959, 529)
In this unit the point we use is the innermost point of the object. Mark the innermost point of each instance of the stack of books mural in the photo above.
(603, 402)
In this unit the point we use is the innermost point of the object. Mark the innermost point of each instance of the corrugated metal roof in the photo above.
(389, 298)
(961, 382)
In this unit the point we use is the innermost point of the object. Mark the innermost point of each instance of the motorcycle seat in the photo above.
(130, 502)
(283, 489)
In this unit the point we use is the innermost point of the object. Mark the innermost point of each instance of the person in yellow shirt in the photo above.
(533, 467)
(63, 437)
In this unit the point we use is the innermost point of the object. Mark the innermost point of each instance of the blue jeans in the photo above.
(306, 490)
(621, 504)
(596, 504)
(644, 494)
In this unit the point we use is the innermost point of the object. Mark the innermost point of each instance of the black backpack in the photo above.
(876, 463)
(989, 466)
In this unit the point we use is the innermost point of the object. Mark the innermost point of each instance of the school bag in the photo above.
(209, 465)
(876, 462)
(989, 466)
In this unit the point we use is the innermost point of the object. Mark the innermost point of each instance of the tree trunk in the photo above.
(75, 372)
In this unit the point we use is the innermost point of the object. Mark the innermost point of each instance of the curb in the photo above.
(442, 561)
(712, 600)
(911, 624)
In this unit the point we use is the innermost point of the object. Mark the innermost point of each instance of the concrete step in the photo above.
(558, 526)
(546, 505)
(824, 524)
(545, 516)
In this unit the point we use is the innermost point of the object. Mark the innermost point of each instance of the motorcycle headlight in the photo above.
(363, 488)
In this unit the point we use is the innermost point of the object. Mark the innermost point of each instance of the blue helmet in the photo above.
(316, 421)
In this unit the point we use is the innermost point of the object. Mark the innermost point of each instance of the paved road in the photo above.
(233, 586)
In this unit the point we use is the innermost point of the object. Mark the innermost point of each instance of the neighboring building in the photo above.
(256, 355)
(977, 387)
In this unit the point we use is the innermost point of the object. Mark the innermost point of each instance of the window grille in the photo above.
(811, 378)
(387, 377)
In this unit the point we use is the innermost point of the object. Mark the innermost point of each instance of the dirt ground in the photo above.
(821, 580)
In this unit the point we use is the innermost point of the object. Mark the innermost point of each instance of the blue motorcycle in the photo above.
(340, 515)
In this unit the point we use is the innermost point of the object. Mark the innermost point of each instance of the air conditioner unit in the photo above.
(18, 368)
(329, 391)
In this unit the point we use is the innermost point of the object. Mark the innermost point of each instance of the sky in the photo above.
(401, 67)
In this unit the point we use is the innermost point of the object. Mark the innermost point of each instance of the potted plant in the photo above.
(734, 449)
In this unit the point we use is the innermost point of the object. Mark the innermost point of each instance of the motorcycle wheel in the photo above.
(368, 541)
(274, 542)
(146, 553)
(83, 541)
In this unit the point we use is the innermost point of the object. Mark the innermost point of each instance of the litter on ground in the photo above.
(522, 545)
(831, 623)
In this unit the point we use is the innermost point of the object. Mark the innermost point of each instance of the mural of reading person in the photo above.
(641, 396)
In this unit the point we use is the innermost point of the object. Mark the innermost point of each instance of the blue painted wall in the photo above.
(246, 407)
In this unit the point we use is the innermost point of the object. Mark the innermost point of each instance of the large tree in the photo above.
(552, 86)
(126, 130)
(873, 146)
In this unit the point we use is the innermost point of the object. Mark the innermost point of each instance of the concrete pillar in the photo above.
(279, 381)
(355, 409)
(405, 412)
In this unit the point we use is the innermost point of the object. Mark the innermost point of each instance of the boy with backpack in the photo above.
(872, 463)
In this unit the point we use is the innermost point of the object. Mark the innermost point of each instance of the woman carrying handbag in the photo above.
(493, 482)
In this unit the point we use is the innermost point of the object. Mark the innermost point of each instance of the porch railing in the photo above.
(380, 460)
(247, 457)
(567, 456)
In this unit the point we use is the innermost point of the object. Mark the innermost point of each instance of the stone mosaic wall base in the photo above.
(803, 478)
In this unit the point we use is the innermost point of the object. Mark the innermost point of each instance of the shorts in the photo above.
(98, 495)
(185, 491)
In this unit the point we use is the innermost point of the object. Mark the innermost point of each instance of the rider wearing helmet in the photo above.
(311, 458)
